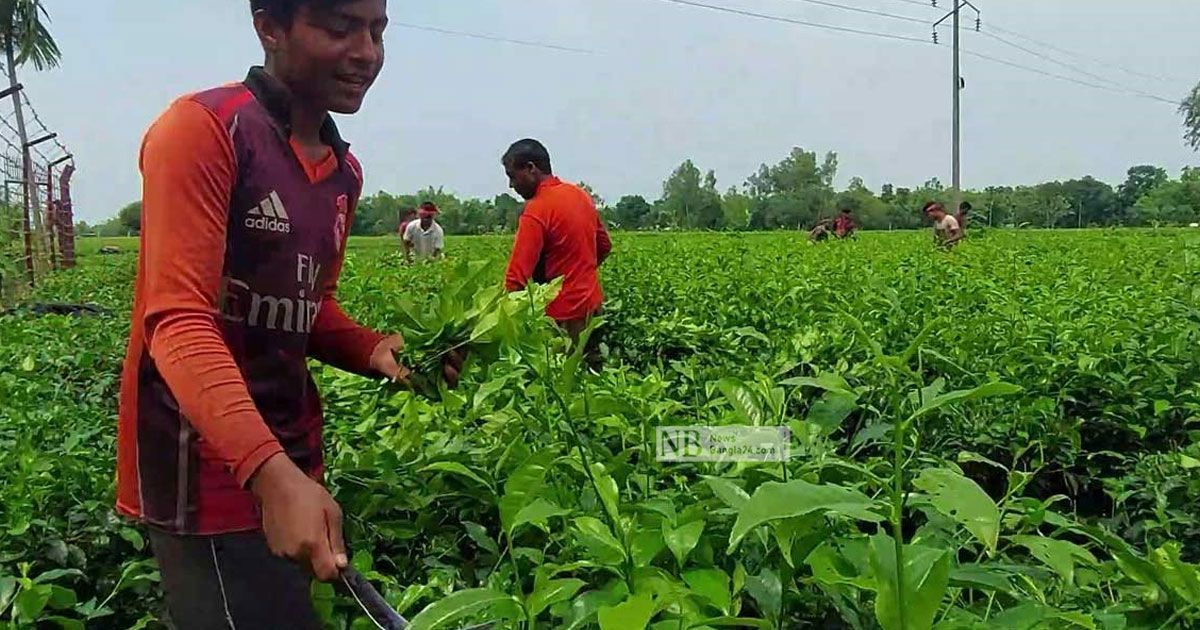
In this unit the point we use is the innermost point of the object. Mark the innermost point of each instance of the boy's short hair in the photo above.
(285, 10)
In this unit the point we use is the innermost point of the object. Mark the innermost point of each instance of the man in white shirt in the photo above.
(424, 236)
(946, 230)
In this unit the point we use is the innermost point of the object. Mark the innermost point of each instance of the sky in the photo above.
(659, 83)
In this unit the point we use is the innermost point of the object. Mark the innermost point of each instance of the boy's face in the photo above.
(331, 53)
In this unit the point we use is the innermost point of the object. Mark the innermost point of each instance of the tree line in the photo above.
(796, 193)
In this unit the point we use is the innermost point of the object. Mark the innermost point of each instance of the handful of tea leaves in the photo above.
(471, 315)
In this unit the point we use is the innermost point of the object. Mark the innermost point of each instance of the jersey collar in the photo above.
(277, 100)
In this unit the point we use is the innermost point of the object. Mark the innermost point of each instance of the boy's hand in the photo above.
(452, 365)
(383, 359)
(301, 521)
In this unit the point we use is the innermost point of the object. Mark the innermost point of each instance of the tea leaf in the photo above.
(925, 575)
(711, 584)
(536, 513)
(549, 593)
(729, 492)
(767, 592)
(683, 539)
(632, 614)
(963, 500)
(464, 604)
(1059, 555)
(935, 402)
(599, 539)
(774, 500)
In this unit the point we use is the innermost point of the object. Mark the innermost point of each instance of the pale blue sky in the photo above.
(666, 82)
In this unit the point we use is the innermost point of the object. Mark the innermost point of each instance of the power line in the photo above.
(1070, 66)
(490, 38)
(1063, 77)
(927, 5)
(846, 7)
(776, 18)
(1064, 51)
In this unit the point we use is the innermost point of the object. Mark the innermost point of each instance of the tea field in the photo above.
(1002, 436)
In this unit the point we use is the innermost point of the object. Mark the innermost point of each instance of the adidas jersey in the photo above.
(215, 378)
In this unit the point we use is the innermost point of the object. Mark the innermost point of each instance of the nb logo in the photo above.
(269, 216)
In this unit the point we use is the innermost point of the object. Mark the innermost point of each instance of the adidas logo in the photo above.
(269, 216)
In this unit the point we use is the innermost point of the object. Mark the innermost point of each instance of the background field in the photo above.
(1100, 329)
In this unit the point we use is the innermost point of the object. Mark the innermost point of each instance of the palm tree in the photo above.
(26, 39)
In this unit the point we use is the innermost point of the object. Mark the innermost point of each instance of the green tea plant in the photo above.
(1003, 436)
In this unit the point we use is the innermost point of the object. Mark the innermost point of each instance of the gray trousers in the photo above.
(231, 581)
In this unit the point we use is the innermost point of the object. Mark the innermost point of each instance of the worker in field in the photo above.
(946, 230)
(407, 215)
(249, 192)
(844, 225)
(820, 231)
(962, 216)
(424, 236)
(559, 234)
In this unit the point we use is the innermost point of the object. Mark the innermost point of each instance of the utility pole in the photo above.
(955, 15)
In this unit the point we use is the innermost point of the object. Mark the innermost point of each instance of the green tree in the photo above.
(1092, 202)
(1140, 180)
(793, 193)
(376, 214)
(869, 211)
(507, 211)
(26, 40)
(1191, 118)
(1174, 202)
(735, 206)
(26, 37)
(129, 219)
(794, 174)
(690, 199)
(596, 198)
(631, 212)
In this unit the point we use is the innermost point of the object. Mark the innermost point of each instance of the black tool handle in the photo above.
(372, 603)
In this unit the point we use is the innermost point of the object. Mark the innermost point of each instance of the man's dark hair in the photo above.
(428, 205)
(931, 205)
(845, 210)
(529, 151)
(965, 206)
(284, 11)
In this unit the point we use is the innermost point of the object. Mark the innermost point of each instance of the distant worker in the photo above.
(844, 225)
(820, 232)
(964, 209)
(407, 215)
(559, 234)
(424, 236)
(946, 230)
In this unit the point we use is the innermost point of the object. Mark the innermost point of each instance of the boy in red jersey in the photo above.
(249, 192)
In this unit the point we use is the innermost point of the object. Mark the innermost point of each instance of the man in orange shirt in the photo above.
(560, 234)
(249, 192)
